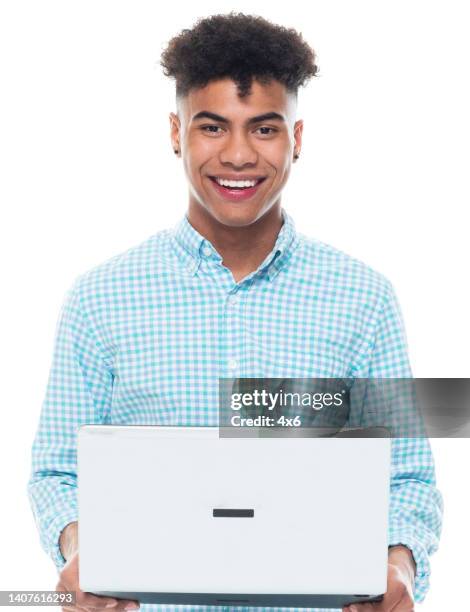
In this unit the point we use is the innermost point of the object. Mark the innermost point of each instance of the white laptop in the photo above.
(180, 515)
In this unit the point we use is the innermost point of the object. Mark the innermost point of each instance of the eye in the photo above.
(211, 129)
(270, 130)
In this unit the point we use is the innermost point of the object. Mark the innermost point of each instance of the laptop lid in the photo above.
(181, 515)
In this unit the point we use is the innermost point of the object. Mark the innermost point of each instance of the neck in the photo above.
(242, 248)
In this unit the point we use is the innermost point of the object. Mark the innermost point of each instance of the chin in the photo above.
(236, 216)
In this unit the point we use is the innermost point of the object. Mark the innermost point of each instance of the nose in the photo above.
(238, 151)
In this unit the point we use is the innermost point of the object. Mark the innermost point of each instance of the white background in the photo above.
(88, 171)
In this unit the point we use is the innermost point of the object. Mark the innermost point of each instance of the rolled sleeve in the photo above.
(416, 505)
(423, 567)
(78, 392)
(58, 524)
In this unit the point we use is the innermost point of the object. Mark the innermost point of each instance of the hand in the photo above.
(400, 581)
(68, 580)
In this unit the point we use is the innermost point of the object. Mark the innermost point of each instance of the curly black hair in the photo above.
(242, 47)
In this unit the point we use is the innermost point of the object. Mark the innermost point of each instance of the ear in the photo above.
(175, 126)
(298, 129)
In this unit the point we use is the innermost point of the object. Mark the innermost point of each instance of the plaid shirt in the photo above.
(144, 337)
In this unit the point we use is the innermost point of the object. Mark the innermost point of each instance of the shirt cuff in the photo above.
(421, 557)
(55, 529)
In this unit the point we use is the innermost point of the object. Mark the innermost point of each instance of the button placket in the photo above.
(234, 335)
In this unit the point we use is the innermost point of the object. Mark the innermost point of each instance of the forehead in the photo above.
(221, 97)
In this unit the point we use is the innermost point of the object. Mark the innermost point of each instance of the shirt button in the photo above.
(206, 251)
(232, 300)
(233, 364)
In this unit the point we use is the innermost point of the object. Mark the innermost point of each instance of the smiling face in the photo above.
(237, 152)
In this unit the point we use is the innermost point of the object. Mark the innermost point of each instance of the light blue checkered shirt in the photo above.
(144, 337)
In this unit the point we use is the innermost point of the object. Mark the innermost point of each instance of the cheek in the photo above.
(281, 162)
(199, 150)
(193, 160)
(278, 156)
(283, 175)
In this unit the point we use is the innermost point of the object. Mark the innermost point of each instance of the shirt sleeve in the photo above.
(416, 506)
(78, 392)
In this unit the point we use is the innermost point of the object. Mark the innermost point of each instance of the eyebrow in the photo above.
(251, 120)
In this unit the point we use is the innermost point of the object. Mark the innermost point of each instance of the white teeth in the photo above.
(227, 183)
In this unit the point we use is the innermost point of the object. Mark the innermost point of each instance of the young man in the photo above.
(233, 290)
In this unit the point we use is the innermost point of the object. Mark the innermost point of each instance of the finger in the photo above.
(392, 598)
(77, 608)
(118, 607)
(61, 588)
(405, 605)
(125, 604)
(88, 600)
(84, 600)
(384, 606)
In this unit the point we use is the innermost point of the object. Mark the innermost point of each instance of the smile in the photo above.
(236, 189)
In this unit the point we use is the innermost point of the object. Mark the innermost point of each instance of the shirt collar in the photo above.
(192, 247)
